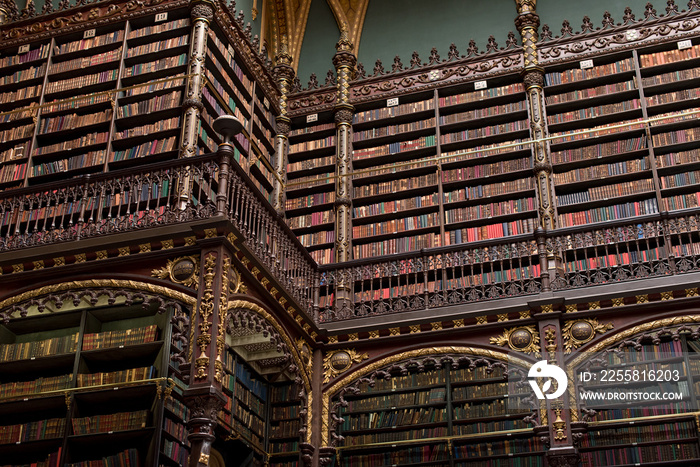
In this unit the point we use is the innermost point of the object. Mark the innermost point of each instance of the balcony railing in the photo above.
(198, 188)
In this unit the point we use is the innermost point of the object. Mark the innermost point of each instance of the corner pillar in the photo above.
(284, 73)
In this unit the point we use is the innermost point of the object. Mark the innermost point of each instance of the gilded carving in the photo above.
(339, 361)
(124, 251)
(60, 261)
(618, 302)
(502, 317)
(436, 326)
(579, 332)
(144, 248)
(353, 337)
(666, 295)
(415, 328)
(38, 264)
(643, 298)
(525, 314)
(80, 258)
(481, 319)
(691, 292)
(332, 339)
(572, 308)
(547, 308)
(167, 244)
(17, 268)
(206, 309)
(394, 331)
(183, 270)
(550, 336)
(374, 334)
(559, 426)
(521, 339)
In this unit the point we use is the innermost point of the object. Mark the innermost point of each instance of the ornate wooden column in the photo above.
(201, 13)
(527, 23)
(207, 337)
(284, 73)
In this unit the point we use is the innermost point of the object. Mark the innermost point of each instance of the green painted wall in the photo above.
(316, 55)
(247, 7)
(552, 13)
(389, 30)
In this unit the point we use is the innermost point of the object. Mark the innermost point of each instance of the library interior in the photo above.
(349, 233)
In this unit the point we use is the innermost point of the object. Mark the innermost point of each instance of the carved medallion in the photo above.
(183, 270)
(579, 332)
(523, 339)
(339, 361)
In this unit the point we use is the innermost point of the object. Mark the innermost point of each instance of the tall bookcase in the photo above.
(446, 417)
(111, 97)
(661, 432)
(82, 386)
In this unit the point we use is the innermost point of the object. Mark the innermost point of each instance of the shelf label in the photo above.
(23, 49)
(586, 64)
(121, 346)
(266, 103)
(110, 432)
(686, 44)
(311, 118)
(33, 358)
(116, 388)
(480, 85)
(161, 17)
(393, 102)
(89, 33)
(231, 52)
(26, 399)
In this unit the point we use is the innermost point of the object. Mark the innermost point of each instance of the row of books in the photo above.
(392, 168)
(607, 213)
(36, 349)
(251, 382)
(154, 86)
(82, 81)
(675, 96)
(398, 435)
(598, 130)
(317, 218)
(394, 111)
(326, 142)
(395, 186)
(639, 434)
(310, 163)
(393, 418)
(484, 132)
(283, 446)
(603, 170)
(59, 105)
(121, 337)
(285, 393)
(49, 383)
(175, 451)
(593, 112)
(85, 140)
(90, 159)
(668, 56)
(110, 422)
(72, 121)
(495, 448)
(311, 180)
(158, 46)
(485, 390)
(390, 130)
(12, 172)
(486, 211)
(114, 377)
(486, 191)
(580, 94)
(674, 117)
(227, 94)
(488, 427)
(470, 410)
(674, 137)
(636, 455)
(606, 192)
(89, 43)
(30, 431)
(476, 114)
(411, 381)
(433, 453)
(146, 149)
(671, 77)
(85, 62)
(599, 150)
(176, 430)
(158, 103)
(311, 129)
(396, 225)
(394, 148)
(487, 170)
(51, 461)
(676, 158)
(251, 400)
(18, 132)
(578, 74)
(246, 432)
(681, 179)
(607, 261)
(151, 128)
(23, 75)
(388, 207)
(20, 94)
(324, 256)
(478, 96)
(398, 245)
(393, 400)
(250, 419)
(157, 65)
(127, 458)
(690, 200)
(317, 238)
(158, 28)
(39, 53)
(645, 411)
(177, 408)
(231, 108)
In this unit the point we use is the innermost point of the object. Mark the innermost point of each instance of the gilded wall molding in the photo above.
(182, 270)
(524, 339)
(581, 331)
(339, 361)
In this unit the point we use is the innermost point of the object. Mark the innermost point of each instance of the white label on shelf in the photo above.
(686, 44)
(26, 399)
(586, 64)
(121, 346)
(510, 454)
(161, 17)
(110, 432)
(23, 49)
(311, 118)
(508, 434)
(393, 445)
(231, 52)
(394, 101)
(33, 358)
(18, 442)
(632, 35)
(116, 388)
(631, 423)
(634, 444)
(89, 33)
(266, 103)
(393, 427)
(480, 85)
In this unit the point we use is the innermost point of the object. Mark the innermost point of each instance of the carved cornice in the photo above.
(311, 102)
(78, 19)
(633, 33)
